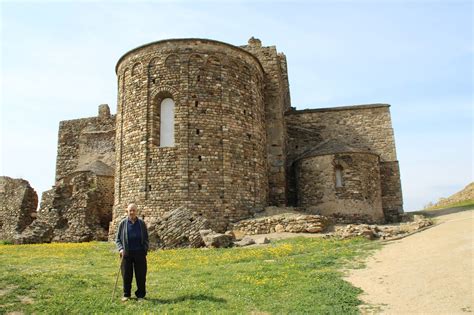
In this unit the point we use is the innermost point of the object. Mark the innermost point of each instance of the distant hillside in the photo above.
(461, 198)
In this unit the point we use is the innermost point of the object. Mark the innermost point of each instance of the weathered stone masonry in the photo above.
(205, 137)
(217, 167)
(364, 128)
(84, 141)
(18, 202)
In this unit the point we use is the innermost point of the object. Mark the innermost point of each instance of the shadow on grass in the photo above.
(441, 212)
(194, 297)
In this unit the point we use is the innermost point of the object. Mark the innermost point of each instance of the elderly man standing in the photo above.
(132, 243)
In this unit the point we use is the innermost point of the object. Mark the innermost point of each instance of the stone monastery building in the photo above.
(207, 126)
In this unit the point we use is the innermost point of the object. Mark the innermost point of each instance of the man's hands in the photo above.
(121, 253)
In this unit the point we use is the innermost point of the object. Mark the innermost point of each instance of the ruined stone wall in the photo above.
(105, 199)
(217, 167)
(85, 140)
(77, 209)
(392, 199)
(359, 194)
(364, 126)
(18, 202)
(277, 102)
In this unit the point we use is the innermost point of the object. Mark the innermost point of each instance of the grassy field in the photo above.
(292, 276)
(461, 204)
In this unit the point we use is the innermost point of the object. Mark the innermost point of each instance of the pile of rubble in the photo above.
(228, 239)
(384, 232)
(178, 228)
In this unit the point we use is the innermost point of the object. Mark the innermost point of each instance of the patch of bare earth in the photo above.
(430, 272)
(7, 289)
(25, 299)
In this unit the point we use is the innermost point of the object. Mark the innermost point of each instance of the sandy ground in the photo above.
(430, 272)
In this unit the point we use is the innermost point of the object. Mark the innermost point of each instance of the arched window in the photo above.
(167, 123)
(339, 179)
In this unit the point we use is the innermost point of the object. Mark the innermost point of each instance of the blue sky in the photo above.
(58, 60)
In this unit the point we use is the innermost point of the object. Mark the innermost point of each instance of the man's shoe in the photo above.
(125, 299)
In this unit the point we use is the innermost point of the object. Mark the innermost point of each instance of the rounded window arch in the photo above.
(167, 106)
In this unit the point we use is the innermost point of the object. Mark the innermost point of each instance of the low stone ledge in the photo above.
(289, 222)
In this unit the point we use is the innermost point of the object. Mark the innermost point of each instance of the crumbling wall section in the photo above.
(18, 203)
(85, 140)
(77, 209)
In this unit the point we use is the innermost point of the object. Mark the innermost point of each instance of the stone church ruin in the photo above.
(205, 137)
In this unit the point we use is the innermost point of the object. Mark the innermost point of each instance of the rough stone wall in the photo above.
(291, 223)
(77, 209)
(277, 102)
(82, 141)
(18, 203)
(359, 194)
(363, 126)
(217, 167)
(392, 199)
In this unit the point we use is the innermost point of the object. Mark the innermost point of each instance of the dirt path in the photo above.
(430, 272)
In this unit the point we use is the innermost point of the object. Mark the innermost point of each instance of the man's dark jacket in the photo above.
(121, 238)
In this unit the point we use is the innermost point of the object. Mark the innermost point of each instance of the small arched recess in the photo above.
(164, 120)
(167, 122)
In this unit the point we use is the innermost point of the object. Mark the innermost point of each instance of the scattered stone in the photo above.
(385, 232)
(238, 234)
(262, 240)
(246, 241)
(215, 240)
(231, 234)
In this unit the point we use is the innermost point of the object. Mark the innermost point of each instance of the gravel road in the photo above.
(430, 272)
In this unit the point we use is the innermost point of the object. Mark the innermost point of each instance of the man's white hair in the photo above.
(132, 206)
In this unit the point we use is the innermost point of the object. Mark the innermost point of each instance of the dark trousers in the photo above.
(134, 261)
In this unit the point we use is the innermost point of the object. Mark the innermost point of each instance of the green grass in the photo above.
(461, 204)
(293, 276)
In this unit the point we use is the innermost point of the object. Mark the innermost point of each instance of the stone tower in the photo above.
(190, 131)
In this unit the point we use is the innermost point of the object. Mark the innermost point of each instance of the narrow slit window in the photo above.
(339, 179)
(167, 123)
